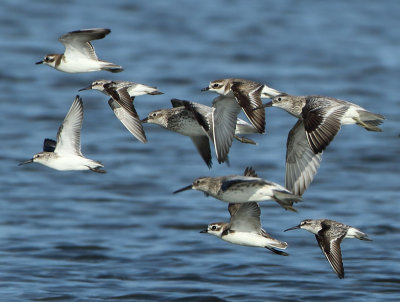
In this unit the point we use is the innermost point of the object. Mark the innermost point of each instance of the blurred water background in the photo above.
(83, 236)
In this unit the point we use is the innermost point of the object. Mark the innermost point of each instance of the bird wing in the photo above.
(224, 118)
(49, 145)
(203, 147)
(238, 181)
(250, 101)
(301, 161)
(77, 43)
(199, 114)
(246, 218)
(69, 133)
(322, 121)
(177, 103)
(130, 120)
(329, 242)
(249, 171)
(121, 95)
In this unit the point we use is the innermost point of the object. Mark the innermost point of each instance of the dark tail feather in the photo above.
(277, 251)
(156, 93)
(112, 68)
(97, 170)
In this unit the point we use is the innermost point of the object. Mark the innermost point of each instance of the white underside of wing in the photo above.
(69, 133)
(224, 120)
(301, 162)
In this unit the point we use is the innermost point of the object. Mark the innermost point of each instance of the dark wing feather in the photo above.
(249, 171)
(322, 121)
(330, 246)
(49, 145)
(200, 118)
(121, 96)
(203, 147)
(177, 103)
(241, 182)
(249, 101)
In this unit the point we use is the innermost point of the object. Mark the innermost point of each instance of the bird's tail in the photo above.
(286, 199)
(369, 120)
(244, 140)
(112, 67)
(362, 236)
(277, 251)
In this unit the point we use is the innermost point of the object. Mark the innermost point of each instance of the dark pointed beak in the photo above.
(205, 89)
(145, 120)
(189, 187)
(204, 231)
(26, 162)
(293, 228)
(40, 62)
(86, 88)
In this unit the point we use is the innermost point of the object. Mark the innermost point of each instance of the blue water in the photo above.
(83, 236)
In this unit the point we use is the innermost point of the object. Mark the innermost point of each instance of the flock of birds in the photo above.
(319, 120)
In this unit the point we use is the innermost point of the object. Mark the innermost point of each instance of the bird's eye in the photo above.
(154, 115)
(213, 228)
(279, 99)
(215, 85)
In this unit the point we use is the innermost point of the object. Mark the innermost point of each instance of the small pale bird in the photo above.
(242, 189)
(65, 153)
(323, 116)
(329, 235)
(79, 54)
(195, 120)
(235, 95)
(244, 228)
(320, 119)
(248, 96)
(122, 95)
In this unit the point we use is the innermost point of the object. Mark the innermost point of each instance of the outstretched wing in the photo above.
(322, 121)
(246, 218)
(224, 118)
(330, 246)
(77, 43)
(121, 95)
(130, 120)
(301, 161)
(248, 95)
(69, 133)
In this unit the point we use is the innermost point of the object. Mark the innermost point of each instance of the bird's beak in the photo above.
(293, 228)
(26, 162)
(40, 62)
(145, 120)
(86, 88)
(204, 231)
(189, 187)
(205, 89)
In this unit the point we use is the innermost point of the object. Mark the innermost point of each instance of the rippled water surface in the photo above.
(82, 236)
